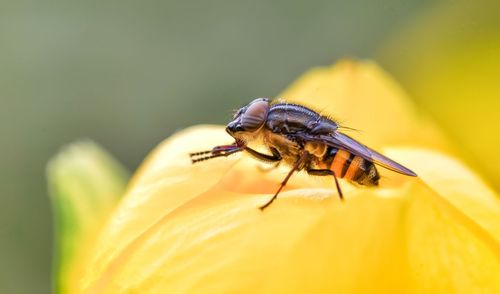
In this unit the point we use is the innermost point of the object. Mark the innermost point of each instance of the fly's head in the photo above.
(249, 120)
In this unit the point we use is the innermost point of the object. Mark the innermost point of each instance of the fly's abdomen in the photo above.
(352, 167)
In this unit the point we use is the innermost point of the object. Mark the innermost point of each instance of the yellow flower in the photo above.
(183, 228)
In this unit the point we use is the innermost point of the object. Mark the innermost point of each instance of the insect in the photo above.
(303, 139)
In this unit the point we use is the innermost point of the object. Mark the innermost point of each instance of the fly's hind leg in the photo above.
(327, 172)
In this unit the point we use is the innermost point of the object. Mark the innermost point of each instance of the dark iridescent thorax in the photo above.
(289, 118)
(285, 119)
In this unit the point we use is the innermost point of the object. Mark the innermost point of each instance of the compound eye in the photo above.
(238, 113)
(255, 115)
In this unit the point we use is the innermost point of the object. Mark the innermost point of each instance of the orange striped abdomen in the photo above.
(351, 167)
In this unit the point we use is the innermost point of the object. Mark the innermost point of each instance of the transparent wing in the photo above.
(347, 143)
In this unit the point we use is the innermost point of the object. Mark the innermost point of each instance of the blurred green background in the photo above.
(127, 74)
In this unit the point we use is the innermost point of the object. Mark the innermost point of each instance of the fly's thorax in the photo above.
(288, 149)
(290, 118)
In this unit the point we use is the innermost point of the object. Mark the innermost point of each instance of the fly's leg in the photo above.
(276, 157)
(327, 172)
(296, 166)
(268, 169)
(218, 151)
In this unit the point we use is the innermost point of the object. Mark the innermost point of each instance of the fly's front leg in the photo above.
(218, 151)
(276, 157)
(327, 172)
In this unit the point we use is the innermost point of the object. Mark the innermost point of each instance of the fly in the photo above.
(303, 139)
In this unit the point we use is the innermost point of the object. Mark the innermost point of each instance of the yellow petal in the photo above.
(459, 231)
(456, 186)
(362, 96)
(85, 184)
(448, 59)
(184, 228)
